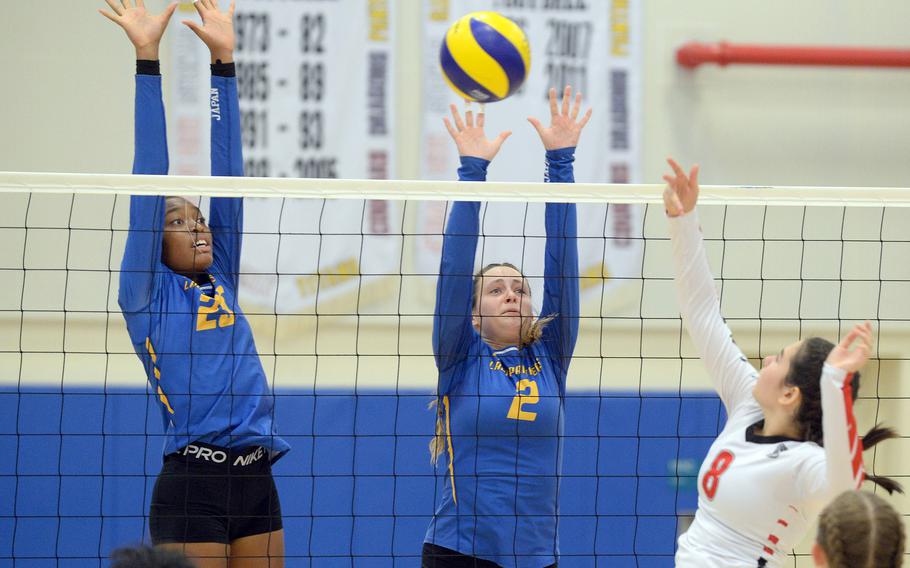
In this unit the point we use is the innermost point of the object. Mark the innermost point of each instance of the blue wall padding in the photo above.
(78, 467)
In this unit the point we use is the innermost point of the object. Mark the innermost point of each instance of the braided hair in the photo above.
(861, 530)
(805, 370)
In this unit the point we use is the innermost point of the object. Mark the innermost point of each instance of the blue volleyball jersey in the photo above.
(503, 409)
(195, 343)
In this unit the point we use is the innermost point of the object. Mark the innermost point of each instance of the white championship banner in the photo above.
(316, 86)
(592, 45)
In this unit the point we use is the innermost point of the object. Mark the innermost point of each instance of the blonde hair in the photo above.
(438, 442)
(528, 336)
(861, 530)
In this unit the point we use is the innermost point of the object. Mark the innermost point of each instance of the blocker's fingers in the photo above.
(109, 16)
(554, 110)
(200, 7)
(586, 118)
(127, 4)
(140, 3)
(231, 8)
(576, 108)
(469, 118)
(566, 95)
(449, 127)
(117, 7)
(197, 29)
(459, 124)
(481, 118)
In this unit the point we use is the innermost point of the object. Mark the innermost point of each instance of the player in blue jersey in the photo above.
(502, 375)
(215, 497)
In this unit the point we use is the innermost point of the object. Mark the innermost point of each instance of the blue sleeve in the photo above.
(559, 167)
(142, 255)
(561, 266)
(453, 331)
(227, 160)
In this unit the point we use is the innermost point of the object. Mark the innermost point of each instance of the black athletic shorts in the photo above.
(210, 494)
(440, 557)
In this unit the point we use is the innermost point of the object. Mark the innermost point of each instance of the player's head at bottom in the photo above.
(149, 557)
(859, 530)
(187, 242)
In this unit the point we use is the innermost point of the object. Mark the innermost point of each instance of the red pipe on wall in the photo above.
(693, 54)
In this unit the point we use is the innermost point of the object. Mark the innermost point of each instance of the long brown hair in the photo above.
(805, 370)
(861, 530)
(528, 336)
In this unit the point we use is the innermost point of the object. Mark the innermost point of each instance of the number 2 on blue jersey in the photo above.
(517, 411)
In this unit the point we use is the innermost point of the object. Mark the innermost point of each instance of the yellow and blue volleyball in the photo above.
(485, 57)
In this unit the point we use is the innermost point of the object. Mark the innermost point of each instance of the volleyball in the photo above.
(485, 57)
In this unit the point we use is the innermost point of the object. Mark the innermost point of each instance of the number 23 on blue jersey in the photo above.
(214, 314)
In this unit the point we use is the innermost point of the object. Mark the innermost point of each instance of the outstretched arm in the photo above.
(843, 447)
(732, 374)
(842, 469)
(217, 32)
(142, 255)
(561, 261)
(452, 325)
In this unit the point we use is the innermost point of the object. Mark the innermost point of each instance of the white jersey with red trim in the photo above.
(757, 494)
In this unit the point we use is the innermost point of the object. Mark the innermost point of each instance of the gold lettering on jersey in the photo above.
(214, 314)
(533, 371)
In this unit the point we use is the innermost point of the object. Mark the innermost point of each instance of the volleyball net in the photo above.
(338, 283)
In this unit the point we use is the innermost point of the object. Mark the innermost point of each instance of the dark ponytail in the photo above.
(875, 435)
(805, 371)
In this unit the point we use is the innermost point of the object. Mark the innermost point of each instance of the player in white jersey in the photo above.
(790, 445)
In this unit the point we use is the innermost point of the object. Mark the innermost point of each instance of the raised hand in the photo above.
(469, 136)
(143, 29)
(852, 359)
(564, 129)
(217, 29)
(681, 193)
